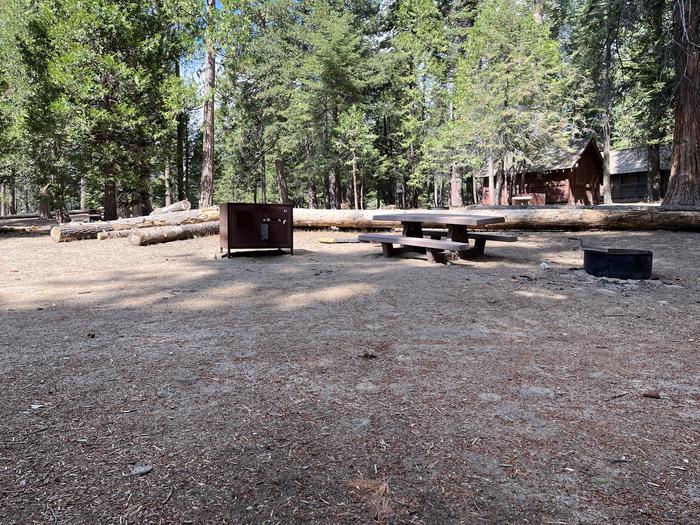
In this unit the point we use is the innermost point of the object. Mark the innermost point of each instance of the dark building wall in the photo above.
(633, 186)
(587, 177)
(578, 185)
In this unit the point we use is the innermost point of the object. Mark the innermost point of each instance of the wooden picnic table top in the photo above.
(460, 219)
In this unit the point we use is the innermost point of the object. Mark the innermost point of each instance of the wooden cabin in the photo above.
(629, 169)
(560, 177)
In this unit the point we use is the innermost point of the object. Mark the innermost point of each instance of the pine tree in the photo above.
(510, 88)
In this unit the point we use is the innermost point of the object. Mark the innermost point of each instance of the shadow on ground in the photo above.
(260, 390)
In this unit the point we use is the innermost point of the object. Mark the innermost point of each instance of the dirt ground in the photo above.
(335, 386)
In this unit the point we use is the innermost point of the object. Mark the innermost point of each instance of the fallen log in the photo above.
(351, 219)
(114, 234)
(175, 206)
(75, 231)
(592, 218)
(524, 218)
(145, 236)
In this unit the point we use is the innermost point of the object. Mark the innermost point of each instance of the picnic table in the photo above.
(416, 237)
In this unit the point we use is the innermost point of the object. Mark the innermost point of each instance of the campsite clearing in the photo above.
(166, 384)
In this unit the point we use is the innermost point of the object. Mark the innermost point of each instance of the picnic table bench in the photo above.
(413, 238)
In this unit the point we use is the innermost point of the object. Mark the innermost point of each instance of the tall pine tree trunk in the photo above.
(186, 182)
(282, 190)
(653, 173)
(684, 184)
(107, 168)
(313, 198)
(45, 200)
(263, 180)
(13, 195)
(354, 179)
(362, 192)
(167, 184)
(180, 147)
(206, 197)
(333, 196)
(492, 181)
(539, 11)
(83, 193)
(110, 199)
(455, 187)
(607, 192)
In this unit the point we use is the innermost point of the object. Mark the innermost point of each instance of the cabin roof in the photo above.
(633, 160)
(553, 159)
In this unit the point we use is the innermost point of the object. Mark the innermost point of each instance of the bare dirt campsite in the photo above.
(164, 384)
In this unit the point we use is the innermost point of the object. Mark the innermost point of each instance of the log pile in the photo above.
(176, 206)
(177, 221)
(145, 236)
(75, 231)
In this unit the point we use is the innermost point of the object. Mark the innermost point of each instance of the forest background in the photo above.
(128, 104)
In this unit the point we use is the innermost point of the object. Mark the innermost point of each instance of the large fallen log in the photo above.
(517, 218)
(352, 219)
(592, 217)
(175, 206)
(524, 218)
(71, 231)
(114, 234)
(144, 236)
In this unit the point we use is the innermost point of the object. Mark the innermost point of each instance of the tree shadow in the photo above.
(254, 385)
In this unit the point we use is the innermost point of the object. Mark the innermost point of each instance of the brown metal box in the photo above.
(255, 226)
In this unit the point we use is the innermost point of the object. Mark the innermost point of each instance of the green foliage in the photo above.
(511, 85)
(309, 92)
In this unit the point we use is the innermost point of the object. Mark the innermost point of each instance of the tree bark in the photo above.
(263, 180)
(207, 186)
(492, 183)
(354, 180)
(529, 218)
(2, 199)
(653, 173)
(282, 190)
(539, 11)
(313, 198)
(110, 200)
(186, 183)
(607, 190)
(179, 147)
(83, 193)
(333, 199)
(500, 175)
(167, 183)
(176, 206)
(45, 200)
(684, 184)
(362, 192)
(114, 234)
(147, 236)
(89, 230)
(455, 187)
(13, 195)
